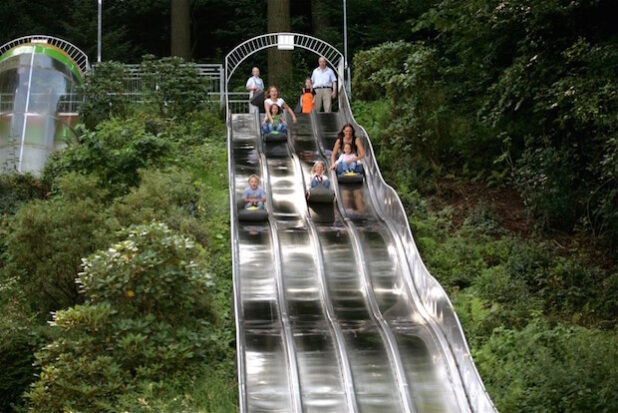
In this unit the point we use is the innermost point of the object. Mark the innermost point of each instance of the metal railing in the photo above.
(285, 41)
(238, 102)
(71, 102)
(78, 56)
(212, 74)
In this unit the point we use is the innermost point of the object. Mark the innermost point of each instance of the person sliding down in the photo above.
(254, 195)
(278, 124)
(318, 177)
(346, 163)
(318, 180)
(347, 135)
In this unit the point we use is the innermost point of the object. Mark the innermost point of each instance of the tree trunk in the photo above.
(181, 29)
(279, 61)
(319, 18)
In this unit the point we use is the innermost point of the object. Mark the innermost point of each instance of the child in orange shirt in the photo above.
(307, 98)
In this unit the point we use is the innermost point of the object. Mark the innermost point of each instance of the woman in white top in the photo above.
(272, 96)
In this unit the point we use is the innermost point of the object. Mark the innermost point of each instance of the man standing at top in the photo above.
(324, 84)
(254, 85)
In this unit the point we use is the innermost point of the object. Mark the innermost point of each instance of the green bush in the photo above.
(173, 86)
(147, 316)
(550, 369)
(513, 93)
(114, 152)
(47, 239)
(16, 189)
(20, 337)
(167, 196)
(206, 393)
(105, 94)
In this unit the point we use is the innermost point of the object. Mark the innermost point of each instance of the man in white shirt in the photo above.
(324, 84)
(254, 85)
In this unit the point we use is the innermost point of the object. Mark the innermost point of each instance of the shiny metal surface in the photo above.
(265, 384)
(344, 316)
(419, 358)
(323, 385)
(373, 364)
(425, 292)
(38, 89)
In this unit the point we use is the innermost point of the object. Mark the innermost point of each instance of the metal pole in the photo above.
(100, 22)
(345, 46)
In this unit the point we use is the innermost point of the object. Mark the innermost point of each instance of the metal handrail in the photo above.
(251, 46)
(76, 54)
(134, 74)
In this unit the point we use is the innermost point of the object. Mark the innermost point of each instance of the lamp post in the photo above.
(345, 47)
(99, 22)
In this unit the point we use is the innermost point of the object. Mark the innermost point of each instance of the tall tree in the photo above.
(181, 29)
(320, 17)
(279, 62)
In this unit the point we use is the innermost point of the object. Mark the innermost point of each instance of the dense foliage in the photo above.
(540, 318)
(141, 179)
(519, 92)
(148, 315)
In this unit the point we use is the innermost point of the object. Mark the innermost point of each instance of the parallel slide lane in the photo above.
(334, 307)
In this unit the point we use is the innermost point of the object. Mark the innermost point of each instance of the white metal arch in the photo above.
(79, 57)
(283, 41)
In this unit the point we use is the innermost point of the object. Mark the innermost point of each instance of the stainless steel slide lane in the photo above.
(264, 373)
(318, 354)
(426, 365)
(426, 297)
(335, 310)
(331, 312)
(375, 368)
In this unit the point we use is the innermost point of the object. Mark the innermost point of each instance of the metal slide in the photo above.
(335, 310)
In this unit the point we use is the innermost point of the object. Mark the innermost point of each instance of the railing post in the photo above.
(221, 86)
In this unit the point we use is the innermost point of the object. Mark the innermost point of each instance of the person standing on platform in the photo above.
(255, 85)
(325, 85)
(307, 97)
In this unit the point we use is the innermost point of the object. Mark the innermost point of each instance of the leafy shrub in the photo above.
(147, 315)
(105, 94)
(16, 189)
(212, 392)
(114, 152)
(20, 337)
(47, 239)
(545, 369)
(569, 287)
(166, 196)
(173, 86)
(520, 92)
